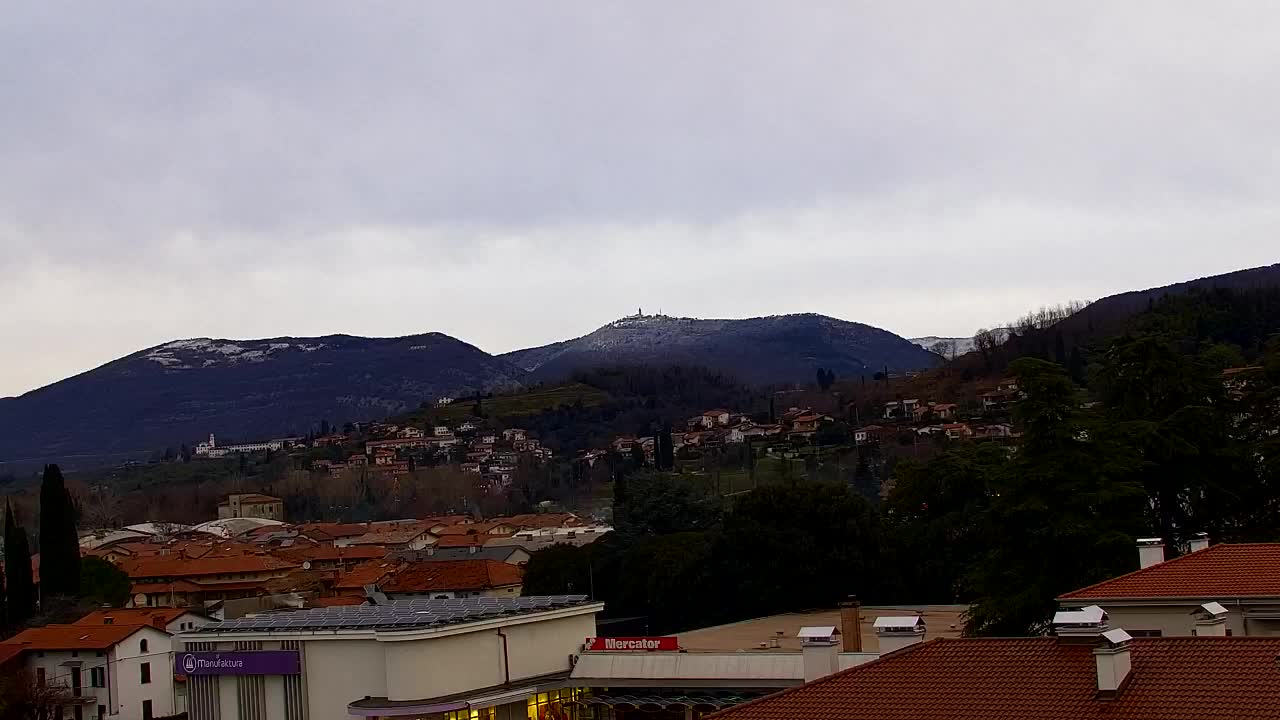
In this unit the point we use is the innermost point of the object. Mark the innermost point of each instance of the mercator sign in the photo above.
(633, 644)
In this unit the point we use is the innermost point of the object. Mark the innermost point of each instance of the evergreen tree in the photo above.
(666, 458)
(20, 588)
(4, 613)
(59, 544)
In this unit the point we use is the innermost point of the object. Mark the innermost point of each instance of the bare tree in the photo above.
(22, 697)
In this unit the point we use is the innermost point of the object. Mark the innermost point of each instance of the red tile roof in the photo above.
(448, 541)
(1040, 679)
(439, 575)
(177, 586)
(303, 553)
(332, 530)
(170, 566)
(72, 637)
(155, 617)
(368, 573)
(1217, 572)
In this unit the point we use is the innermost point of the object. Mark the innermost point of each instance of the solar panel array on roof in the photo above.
(396, 615)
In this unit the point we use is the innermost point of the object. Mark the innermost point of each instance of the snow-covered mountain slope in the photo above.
(775, 349)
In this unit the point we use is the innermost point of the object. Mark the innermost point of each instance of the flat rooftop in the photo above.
(941, 621)
(394, 615)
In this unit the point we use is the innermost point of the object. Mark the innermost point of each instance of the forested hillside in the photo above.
(1149, 438)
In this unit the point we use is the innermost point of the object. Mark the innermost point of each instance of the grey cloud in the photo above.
(331, 166)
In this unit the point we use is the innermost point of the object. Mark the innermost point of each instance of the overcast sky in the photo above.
(515, 173)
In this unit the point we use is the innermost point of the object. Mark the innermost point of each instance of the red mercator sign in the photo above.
(633, 644)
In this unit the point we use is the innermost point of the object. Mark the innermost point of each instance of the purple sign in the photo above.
(247, 662)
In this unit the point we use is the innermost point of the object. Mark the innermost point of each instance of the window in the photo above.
(77, 712)
(97, 677)
(39, 677)
(146, 710)
(1145, 633)
(142, 646)
(145, 672)
(102, 712)
(108, 621)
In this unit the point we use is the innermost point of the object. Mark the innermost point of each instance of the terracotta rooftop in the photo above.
(299, 554)
(1217, 572)
(178, 586)
(367, 573)
(479, 528)
(438, 575)
(393, 536)
(72, 637)
(155, 617)
(177, 567)
(1040, 679)
(448, 541)
(322, 530)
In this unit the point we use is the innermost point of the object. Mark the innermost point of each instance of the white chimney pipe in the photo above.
(1198, 542)
(820, 648)
(1113, 661)
(1211, 620)
(895, 633)
(1150, 552)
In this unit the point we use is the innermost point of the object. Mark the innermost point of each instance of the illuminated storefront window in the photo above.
(554, 705)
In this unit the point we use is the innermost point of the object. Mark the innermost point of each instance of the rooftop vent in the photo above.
(895, 633)
(1083, 625)
(1211, 620)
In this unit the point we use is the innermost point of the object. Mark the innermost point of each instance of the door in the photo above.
(75, 681)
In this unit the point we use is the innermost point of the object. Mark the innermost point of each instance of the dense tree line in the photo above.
(1156, 444)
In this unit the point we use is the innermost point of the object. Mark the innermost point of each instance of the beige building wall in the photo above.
(347, 670)
(545, 647)
(443, 666)
(1178, 620)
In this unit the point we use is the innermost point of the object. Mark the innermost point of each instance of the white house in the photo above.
(111, 671)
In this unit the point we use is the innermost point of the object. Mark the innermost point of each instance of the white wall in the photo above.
(127, 673)
(544, 647)
(56, 673)
(339, 671)
(1170, 620)
(443, 666)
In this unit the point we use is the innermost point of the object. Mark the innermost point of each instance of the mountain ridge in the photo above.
(787, 348)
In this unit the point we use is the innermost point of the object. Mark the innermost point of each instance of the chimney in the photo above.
(895, 633)
(1211, 620)
(1150, 552)
(1198, 542)
(473, 549)
(1112, 659)
(851, 624)
(820, 647)
(1080, 627)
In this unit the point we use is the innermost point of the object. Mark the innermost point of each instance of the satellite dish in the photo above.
(306, 564)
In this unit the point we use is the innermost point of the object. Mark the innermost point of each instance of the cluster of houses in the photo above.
(719, 427)
(410, 634)
(247, 563)
(939, 419)
(392, 449)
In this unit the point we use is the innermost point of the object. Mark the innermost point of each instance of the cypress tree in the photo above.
(59, 544)
(20, 588)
